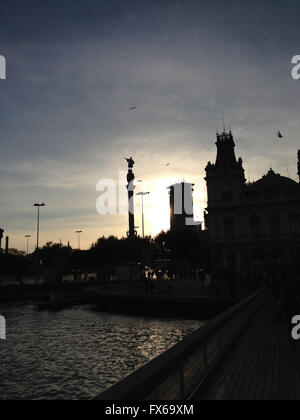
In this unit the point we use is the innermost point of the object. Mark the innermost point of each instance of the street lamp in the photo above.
(27, 237)
(142, 194)
(78, 233)
(38, 205)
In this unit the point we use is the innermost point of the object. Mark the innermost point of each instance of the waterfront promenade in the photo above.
(183, 299)
(264, 365)
(243, 354)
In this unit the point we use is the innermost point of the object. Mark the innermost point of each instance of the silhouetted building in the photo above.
(181, 207)
(254, 228)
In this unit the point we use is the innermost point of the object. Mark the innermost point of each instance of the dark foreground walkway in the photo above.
(265, 365)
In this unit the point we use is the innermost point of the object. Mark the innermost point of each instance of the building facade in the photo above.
(181, 207)
(254, 228)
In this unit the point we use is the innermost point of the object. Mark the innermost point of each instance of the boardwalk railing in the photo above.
(179, 372)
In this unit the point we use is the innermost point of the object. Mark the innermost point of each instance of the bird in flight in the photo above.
(133, 108)
(168, 164)
(279, 135)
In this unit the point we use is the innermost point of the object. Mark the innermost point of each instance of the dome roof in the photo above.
(271, 179)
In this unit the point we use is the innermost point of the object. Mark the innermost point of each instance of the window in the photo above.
(231, 260)
(294, 223)
(227, 197)
(272, 193)
(253, 196)
(255, 225)
(229, 228)
(275, 224)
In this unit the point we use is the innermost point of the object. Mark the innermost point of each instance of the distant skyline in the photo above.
(74, 70)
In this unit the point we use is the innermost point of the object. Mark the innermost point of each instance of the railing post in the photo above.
(219, 342)
(205, 357)
(229, 331)
(181, 382)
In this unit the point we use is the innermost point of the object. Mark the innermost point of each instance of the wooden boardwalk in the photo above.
(264, 365)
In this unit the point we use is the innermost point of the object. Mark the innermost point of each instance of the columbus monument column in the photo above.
(131, 187)
(1, 237)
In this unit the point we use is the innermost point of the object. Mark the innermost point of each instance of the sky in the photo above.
(75, 67)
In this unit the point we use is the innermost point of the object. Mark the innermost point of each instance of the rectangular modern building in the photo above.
(181, 207)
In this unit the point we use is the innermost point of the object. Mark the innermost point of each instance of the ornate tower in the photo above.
(225, 178)
(131, 188)
(225, 187)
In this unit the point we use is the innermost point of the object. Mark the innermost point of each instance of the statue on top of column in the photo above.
(130, 162)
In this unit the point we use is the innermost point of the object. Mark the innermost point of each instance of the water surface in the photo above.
(77, 353)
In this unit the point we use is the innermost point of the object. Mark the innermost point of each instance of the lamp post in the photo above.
(38, 205)
(27, 237)
(142, 194)
(78, 233)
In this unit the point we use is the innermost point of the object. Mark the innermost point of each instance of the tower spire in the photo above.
(225, 154)
(224, 125)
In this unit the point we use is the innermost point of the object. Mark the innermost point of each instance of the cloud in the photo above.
(65, 120)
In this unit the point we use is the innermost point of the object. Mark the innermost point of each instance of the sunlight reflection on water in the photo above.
(78, 352)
